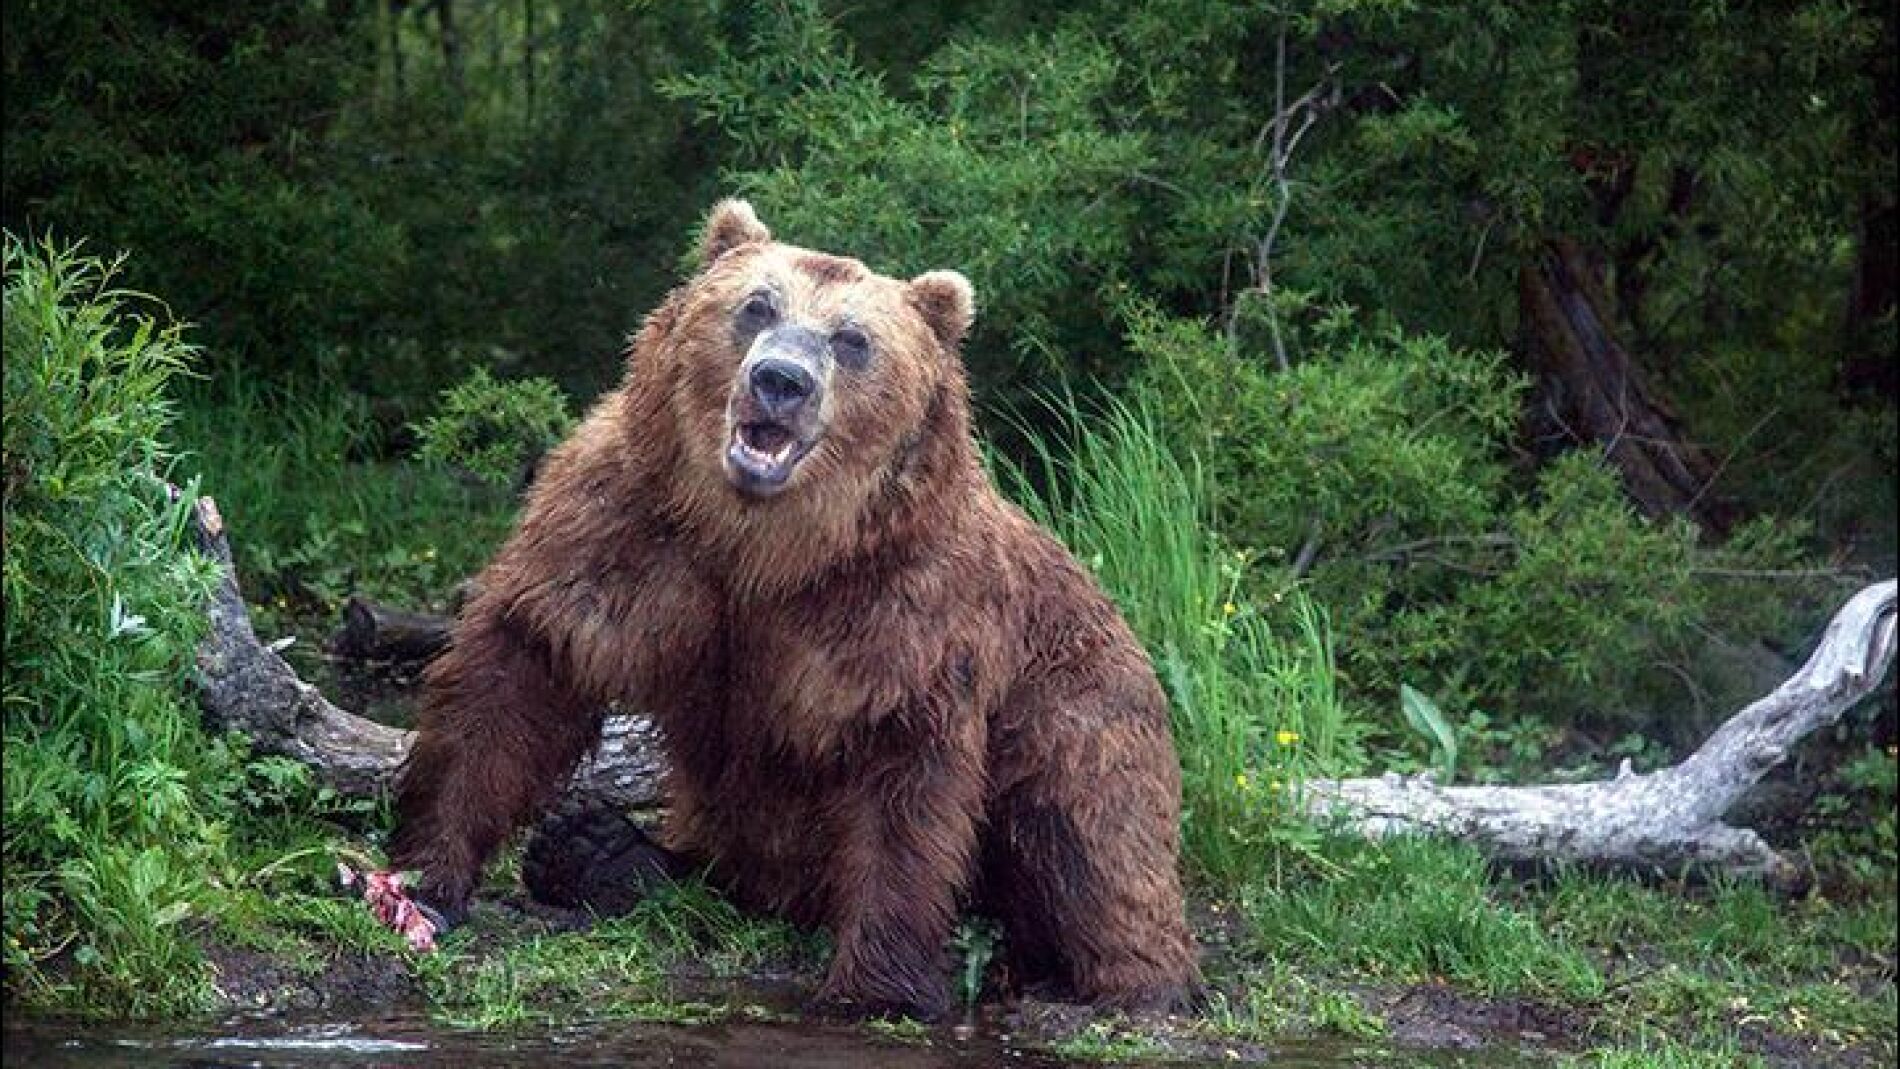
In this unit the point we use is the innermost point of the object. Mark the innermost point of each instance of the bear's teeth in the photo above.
(774, 457)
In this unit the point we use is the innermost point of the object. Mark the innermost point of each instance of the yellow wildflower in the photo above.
(1229, 608)
(1285, 737)
(1240, 780)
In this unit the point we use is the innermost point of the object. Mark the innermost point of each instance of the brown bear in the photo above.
(884, 693)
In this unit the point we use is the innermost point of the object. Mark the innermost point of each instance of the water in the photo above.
(412, 1040)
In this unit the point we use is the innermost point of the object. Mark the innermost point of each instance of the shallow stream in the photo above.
(412, 1040)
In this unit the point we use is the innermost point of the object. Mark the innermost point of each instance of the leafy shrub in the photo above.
(314, 518)
(496, 431)
(111, 793)
(1102, 173)
(1379, 474)
(1040, 162)
(1367, 442)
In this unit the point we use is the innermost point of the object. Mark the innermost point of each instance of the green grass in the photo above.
(1273, 999)
(1668, 974)
(1254, 709)
(115, 803)
(312, 521)
(1667, 1054)
(1706, 958)
(616, 969)
(1108, 1040)
(1411, 910)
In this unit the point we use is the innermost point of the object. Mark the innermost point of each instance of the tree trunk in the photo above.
(528, 57)
(1592, 392)
(392, 23)
(1870, 366)
(451, 35)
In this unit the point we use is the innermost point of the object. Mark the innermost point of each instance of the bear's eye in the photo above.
(758, 311)
(851, 347)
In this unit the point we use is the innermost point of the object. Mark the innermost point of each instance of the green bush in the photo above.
(496, 431)
(1044, 162)
(1387, 462)
(315, 517)
(114, 800)
(1103, 173)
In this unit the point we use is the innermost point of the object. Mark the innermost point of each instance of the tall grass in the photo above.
(1254, 707)
(112, 796)
(313, 516)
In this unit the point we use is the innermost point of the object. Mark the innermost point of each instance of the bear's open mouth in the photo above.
(763, 454)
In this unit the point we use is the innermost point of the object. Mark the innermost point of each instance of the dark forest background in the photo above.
(1564, 328)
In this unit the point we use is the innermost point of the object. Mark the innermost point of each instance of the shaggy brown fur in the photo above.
(884, 692)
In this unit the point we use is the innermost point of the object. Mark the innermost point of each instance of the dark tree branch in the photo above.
(377, 632)
(1595, 390)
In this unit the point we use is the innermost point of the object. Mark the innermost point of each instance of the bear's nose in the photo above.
(781, 386)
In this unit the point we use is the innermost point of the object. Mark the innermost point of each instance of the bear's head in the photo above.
(816, 363)
(805, 394)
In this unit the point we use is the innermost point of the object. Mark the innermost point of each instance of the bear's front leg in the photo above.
(498, 735)
(906, 837)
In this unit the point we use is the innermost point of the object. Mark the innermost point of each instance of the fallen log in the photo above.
(245, 686)
(373, 631)
(1663, 821)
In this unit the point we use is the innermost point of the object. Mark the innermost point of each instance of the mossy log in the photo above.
(1669, 820)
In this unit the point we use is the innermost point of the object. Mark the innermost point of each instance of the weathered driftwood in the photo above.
(1666, 821)
(245, 686)
(377, 632)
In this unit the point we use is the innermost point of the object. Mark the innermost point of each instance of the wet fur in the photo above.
(885, 694)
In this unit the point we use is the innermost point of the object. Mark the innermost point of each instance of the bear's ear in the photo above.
(948, 303)
(732, 223)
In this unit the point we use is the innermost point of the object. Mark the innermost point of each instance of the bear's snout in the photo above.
(780, 387)
(777, 409)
